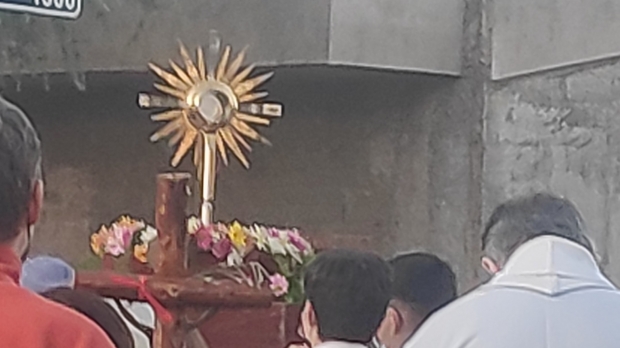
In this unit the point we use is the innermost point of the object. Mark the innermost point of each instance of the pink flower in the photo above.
(126, 234)
(221, 248)
(114, 247)
(297, 241)
(118, 241)
(204, 237)
(273, 232)
(278, 284)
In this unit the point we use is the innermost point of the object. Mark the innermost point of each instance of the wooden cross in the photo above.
(190, 300)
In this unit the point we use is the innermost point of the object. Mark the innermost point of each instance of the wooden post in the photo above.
(169, 336)
(171, 202)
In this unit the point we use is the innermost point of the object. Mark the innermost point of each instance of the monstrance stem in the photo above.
(207, 181)
(209, 151)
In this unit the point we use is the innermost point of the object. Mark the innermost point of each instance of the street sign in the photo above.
(68, 9)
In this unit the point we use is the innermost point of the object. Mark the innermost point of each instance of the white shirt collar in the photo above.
(551, 265)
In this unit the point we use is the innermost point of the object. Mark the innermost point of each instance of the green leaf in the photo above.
(295, 290)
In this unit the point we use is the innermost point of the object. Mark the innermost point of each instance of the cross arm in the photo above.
(176, 291)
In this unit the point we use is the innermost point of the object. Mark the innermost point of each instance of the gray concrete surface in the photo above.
(422, 35)
(124, 35)
(535, 35)
(560, 132)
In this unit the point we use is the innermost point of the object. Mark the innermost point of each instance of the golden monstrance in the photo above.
(210, 106)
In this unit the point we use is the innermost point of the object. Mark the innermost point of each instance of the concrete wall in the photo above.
(421, 35)
(560, 132)
(125, 35)
(556, 131)
(534, 35)
(357, 152)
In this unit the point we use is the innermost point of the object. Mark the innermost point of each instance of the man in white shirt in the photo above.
(347, 294)
(547, 290)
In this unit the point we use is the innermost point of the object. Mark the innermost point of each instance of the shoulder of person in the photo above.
(70, 328)
(449, 325)
(464, 303)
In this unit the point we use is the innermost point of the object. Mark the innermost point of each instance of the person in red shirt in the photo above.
(26, 319)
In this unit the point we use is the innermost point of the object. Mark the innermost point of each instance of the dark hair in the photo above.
(349, 291)
(20, 166)
(423, 281)
(94, 307)
(522, 219)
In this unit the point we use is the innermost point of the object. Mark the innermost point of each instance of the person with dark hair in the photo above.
(347, 293)
(28, 320)
(547, 290)
(95, 308)
(518, 221)
(422, 284)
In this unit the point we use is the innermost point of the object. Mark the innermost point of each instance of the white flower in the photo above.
(276, 246)
(292, 250)
(260, 236)
(234, 258)
(148, 235)
(193, 225)
(140, 225)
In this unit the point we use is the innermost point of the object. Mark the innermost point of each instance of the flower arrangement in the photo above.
(234, 245)
(254, 254)
(123, 234)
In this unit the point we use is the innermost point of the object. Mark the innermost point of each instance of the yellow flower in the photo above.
(140, 251)
(96, 244)
(98, 240)
(125, 221)
(236, 233)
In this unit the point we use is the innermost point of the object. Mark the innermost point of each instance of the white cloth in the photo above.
(551, 294)
(144, 314)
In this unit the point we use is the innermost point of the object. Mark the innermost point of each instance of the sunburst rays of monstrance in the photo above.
(209, 107)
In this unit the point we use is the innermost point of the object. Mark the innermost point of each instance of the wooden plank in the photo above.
(176, 291)
(273, 327)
